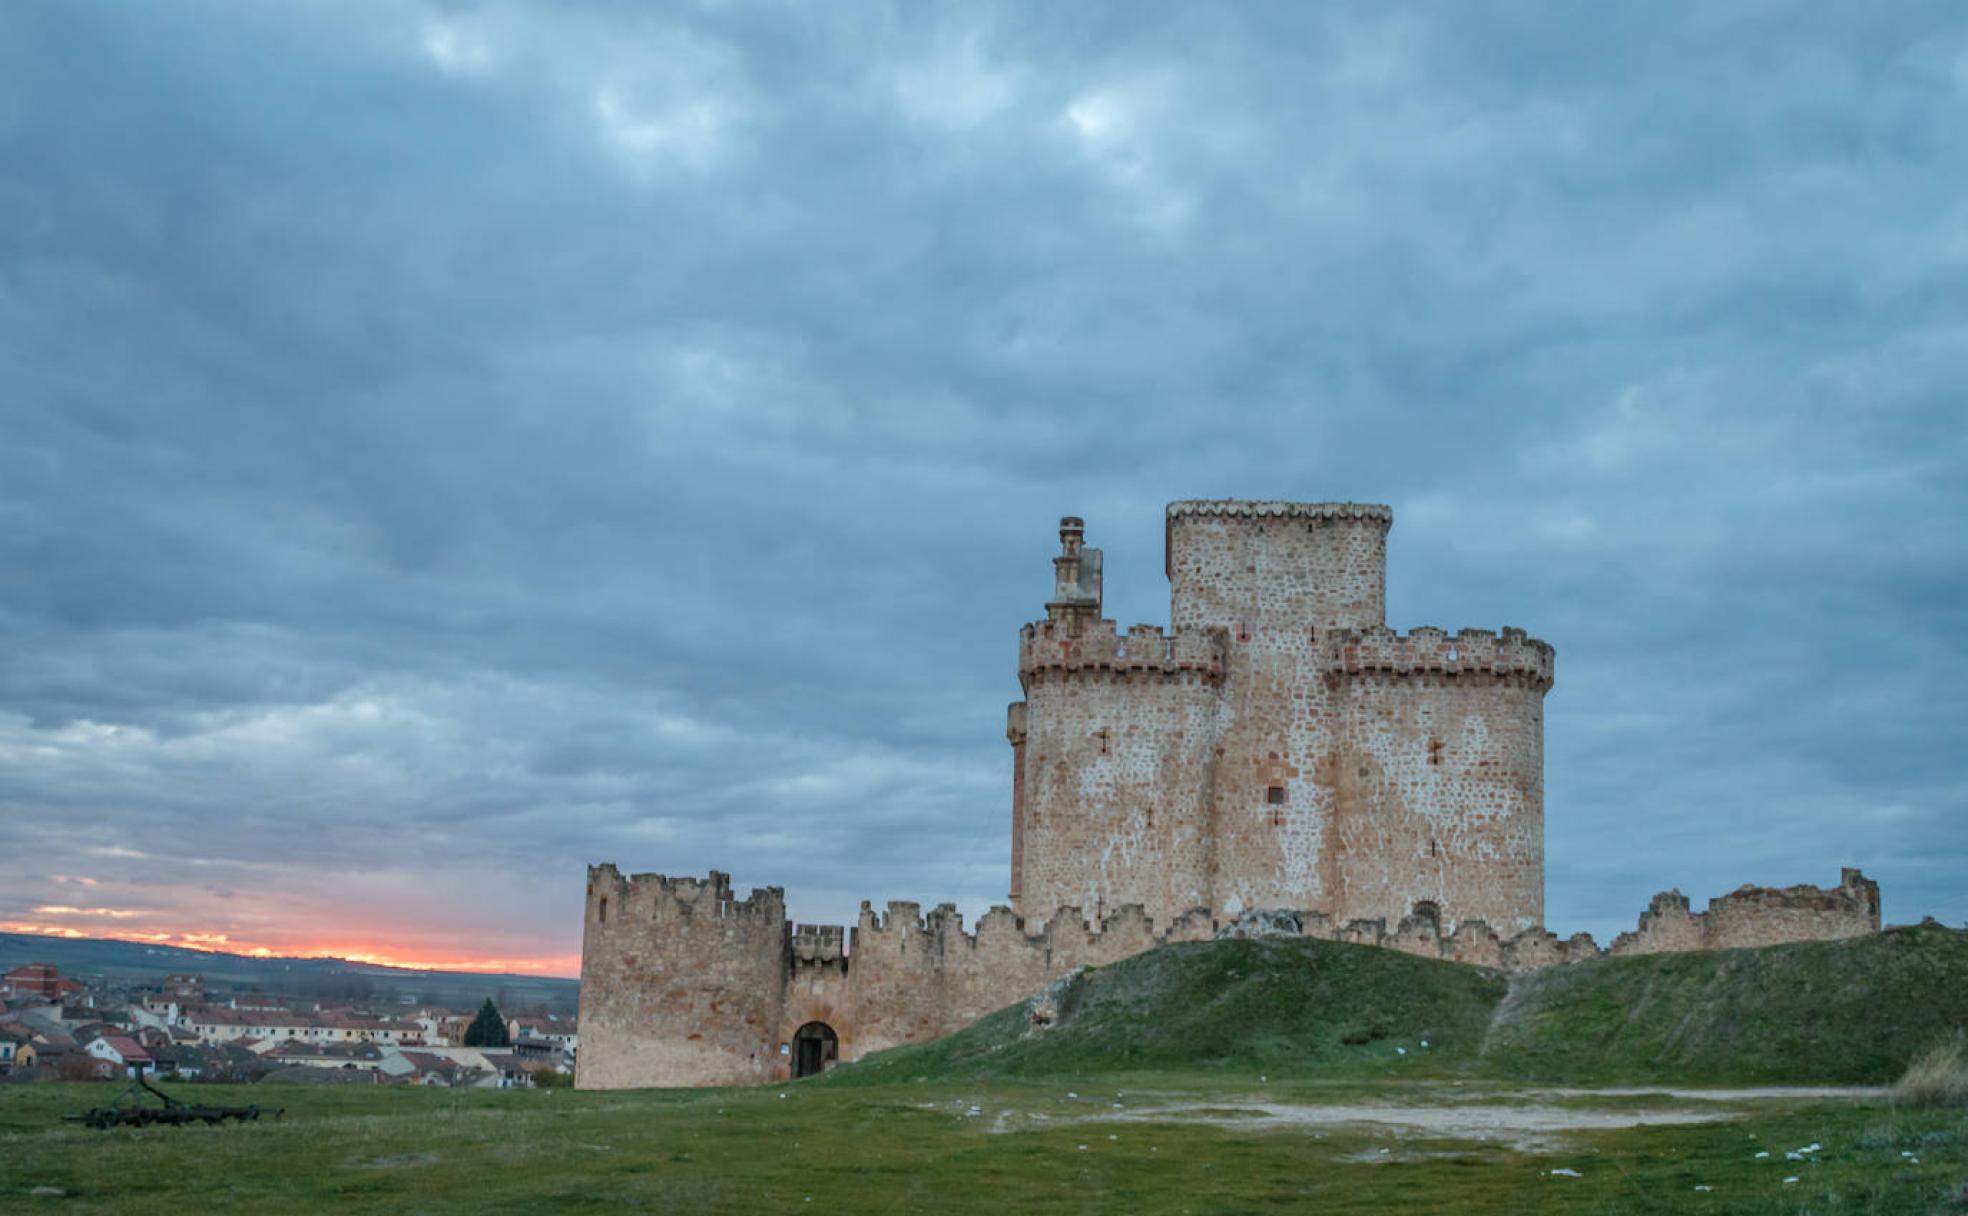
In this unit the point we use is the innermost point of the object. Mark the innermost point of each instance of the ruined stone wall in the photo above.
(1116, 756)
(1666, 927)
(1757, 916)
(681, 984)
(1768, 916)
(1438, 777)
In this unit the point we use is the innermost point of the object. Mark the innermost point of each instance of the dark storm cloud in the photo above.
(446, 445)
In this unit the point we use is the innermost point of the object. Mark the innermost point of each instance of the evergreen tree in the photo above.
(488, 1029)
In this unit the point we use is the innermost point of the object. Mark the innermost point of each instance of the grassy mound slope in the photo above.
(1848, 1012)
(1844, 1012)
(1281, 1005)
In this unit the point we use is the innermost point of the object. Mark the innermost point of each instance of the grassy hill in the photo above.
(1845, 1012)
(1281, 1004)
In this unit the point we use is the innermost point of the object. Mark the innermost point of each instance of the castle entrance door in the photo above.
(815, 1049)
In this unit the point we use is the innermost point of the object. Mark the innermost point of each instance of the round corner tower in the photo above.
(1279, 746)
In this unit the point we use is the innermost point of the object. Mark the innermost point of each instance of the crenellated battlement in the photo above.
(818, 943)
(1068, 927)
(1426, 650)
(664, 897)
(1051, 649)
(1191, 518)
(1246, 508)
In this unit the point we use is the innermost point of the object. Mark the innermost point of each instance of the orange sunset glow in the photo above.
(375, 953)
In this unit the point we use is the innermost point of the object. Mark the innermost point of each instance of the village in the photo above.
(56, 1027)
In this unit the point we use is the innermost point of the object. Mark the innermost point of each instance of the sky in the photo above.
(446, 445)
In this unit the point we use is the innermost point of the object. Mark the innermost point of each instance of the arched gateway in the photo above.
(816, 1048)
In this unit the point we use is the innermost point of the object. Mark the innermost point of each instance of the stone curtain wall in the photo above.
(690, 988)
(681, 984)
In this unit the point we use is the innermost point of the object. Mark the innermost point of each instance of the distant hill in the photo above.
(1846, 1012)
(142, 963)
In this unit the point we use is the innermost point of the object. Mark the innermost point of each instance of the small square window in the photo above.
(1275, 795)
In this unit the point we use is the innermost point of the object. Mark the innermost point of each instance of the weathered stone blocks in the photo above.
(1276, 760)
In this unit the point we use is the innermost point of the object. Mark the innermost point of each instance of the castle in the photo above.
(1278, 754)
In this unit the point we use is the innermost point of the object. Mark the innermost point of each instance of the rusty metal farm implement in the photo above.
(130, 1109)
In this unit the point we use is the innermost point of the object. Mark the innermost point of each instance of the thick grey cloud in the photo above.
(445, 445)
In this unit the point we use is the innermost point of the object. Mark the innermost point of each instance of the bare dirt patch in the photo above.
(1526, 1127)
(1807, 1093)
(1527, 1120)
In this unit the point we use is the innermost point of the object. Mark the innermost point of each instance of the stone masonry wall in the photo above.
(1279, 747)
(665, 1003)
(1321, 565)
(1278, 756)
(1440, 796)
(681, 984)
(1119, 739)
(1756, 916)
(1272, 578)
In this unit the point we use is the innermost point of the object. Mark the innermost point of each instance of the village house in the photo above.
(37, 981)
(122, 1052)
(357, 1056)
(213, 1024)
(16, 1051)
(430, 1069)
(526, 1033)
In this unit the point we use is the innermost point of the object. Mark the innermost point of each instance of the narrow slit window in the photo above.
(601, 910)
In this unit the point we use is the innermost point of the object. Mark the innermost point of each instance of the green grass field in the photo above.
(1227, 1077)
(916, 1147)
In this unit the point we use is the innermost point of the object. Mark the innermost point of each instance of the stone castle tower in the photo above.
(1277, 749)
(1278, 746)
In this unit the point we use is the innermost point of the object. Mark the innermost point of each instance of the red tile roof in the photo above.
(127, 1048)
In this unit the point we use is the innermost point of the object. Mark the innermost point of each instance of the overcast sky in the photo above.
(447, 445)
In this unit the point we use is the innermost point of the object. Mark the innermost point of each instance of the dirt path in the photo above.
(1523, 1127)
(1528, 1127)
(1741, 1094)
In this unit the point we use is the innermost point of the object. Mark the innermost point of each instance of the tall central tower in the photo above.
(1278, 746)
